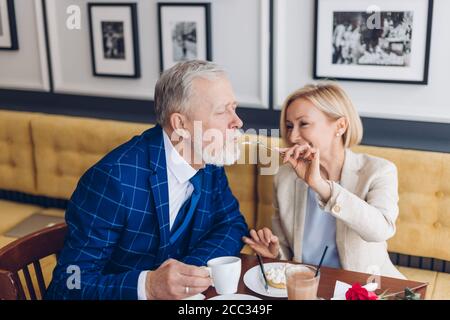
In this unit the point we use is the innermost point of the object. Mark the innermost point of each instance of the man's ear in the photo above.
(177, 123)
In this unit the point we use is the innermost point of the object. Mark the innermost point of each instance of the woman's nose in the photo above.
(295, 137)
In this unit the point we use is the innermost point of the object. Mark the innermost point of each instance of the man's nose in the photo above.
(236, 122)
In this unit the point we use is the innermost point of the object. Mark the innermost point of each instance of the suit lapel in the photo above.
(159, 188)
(202, 209)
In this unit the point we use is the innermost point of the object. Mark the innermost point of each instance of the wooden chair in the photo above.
(18, 255)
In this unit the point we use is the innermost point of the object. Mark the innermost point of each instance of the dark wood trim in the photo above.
(428, 136)
(424, 263)
(38, 200)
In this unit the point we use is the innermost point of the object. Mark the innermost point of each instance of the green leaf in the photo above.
(410, 295)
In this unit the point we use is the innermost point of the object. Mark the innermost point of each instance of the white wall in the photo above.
(294, 36)
(240, 42)
(27, 67)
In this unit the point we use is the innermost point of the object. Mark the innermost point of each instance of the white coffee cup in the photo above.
(225, 273)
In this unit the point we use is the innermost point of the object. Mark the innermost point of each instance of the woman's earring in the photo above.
(338, 134)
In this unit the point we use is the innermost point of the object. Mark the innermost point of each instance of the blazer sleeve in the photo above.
(373, 218)
(228, 226)
(285, 253)
(95, 217)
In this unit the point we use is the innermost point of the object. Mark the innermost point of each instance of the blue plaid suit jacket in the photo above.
(118, 222)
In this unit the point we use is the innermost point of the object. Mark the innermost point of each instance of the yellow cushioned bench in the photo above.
(45, 155)
(17, 171)
(65, 147)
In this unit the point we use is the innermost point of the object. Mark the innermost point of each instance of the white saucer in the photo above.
(236, 296)
(254, 280)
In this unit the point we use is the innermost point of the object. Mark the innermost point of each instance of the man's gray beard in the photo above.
(226, 157)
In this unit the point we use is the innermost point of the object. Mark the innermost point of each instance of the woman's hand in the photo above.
(263, 242)
(306, 163)
(305, 160)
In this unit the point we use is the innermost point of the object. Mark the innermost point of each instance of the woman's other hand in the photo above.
(263, 242)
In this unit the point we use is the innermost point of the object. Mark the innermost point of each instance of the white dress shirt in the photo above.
(180, 189)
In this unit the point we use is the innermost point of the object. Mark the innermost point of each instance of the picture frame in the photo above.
(114, 38)
(373, 40)
(184, 32)
(8, 28)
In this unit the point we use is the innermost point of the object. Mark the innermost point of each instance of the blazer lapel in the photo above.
(349, 177)
(300, 197)
(349, 180)
(159, 188)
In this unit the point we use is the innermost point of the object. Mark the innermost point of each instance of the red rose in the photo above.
(357, 292)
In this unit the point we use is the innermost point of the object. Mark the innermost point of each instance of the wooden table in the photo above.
(327, 283)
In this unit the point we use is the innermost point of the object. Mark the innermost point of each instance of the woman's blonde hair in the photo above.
(331, 99)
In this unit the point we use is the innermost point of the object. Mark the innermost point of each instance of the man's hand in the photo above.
(176, 280)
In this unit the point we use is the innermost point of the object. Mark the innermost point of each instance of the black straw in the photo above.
(321, 260)
(261, 265)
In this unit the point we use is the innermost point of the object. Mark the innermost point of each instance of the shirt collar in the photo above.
(177, 165)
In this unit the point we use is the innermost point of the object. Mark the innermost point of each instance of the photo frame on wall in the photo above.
(184, 32)
(8, 29)
(114, 39)
(373, 40)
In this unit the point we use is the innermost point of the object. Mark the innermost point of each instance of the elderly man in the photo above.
(146, 217)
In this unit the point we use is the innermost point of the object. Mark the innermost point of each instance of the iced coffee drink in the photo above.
(301, 282)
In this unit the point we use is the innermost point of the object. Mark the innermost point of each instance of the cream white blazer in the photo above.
(365, 204)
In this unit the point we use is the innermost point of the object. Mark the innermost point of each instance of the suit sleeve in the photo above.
(373, 218)
(224, 238)
(95, 217)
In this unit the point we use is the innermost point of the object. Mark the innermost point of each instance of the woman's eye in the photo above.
(303, 124)
(289, 127)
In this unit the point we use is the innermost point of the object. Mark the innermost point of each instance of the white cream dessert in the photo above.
(276, 277)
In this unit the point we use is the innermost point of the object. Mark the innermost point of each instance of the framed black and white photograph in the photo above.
(114, 39)
(184, 32)
(8, 30)
(373, 40)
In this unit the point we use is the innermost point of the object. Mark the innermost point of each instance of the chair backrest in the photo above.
(18, 255)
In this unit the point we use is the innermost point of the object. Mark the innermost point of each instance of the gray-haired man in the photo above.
(146, 217)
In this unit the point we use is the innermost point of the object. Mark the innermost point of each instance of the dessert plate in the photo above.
(254, 280)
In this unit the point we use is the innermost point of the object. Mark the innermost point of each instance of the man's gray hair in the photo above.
(174, 88)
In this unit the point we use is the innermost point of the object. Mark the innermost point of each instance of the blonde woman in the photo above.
(325, 194)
